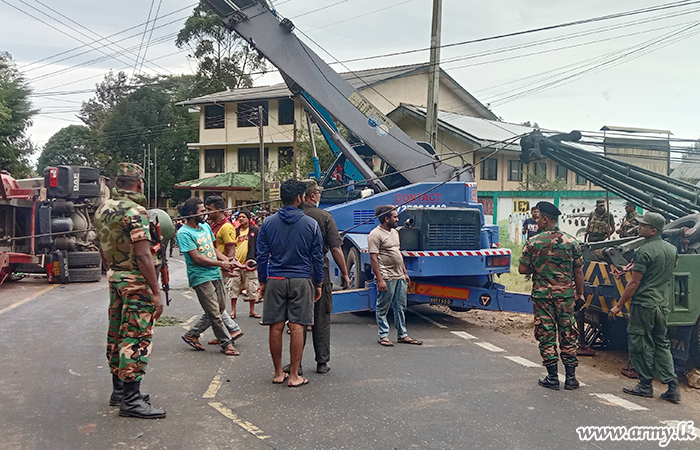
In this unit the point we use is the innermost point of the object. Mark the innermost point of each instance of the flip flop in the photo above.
(409, 340)
(256, 315)
(306, 381)
(385, 342)
(286, 376)
(232, 352)
(195, 345)
(238, 336)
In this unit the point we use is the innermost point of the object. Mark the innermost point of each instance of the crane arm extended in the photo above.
(305, 72)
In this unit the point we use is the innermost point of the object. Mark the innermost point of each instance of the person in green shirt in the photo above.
(649, 291)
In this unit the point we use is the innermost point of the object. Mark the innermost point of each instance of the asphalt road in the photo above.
(465, 388)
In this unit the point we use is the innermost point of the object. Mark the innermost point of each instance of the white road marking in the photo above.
(562, 378)
(189, 321)
(249, 427)
(31, 297)
(615, 400)
(489, 347)
(464, 335)
(187, 294)
(214, 386)
(427, 319)
(522, 361)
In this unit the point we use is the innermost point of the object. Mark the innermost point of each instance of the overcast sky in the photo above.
(641, 75)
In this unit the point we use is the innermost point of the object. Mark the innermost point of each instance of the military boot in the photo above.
(642, 389)
(118, 392)
(551, 381)
(133, 404)
(674, 392)
(571, 381)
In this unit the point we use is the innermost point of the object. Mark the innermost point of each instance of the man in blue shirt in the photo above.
(204, 264)
(290, 271)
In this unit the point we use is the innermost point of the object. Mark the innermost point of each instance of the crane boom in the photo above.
(305, 73)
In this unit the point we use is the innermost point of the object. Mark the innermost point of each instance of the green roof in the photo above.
(224, 181)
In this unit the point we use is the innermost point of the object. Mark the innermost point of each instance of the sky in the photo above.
(634, 71)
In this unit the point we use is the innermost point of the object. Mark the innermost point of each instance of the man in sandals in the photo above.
(392, 279)
(204, 262)
(290, 270)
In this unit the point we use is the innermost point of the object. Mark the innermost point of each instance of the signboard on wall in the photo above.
(274, 190)
(521, 206)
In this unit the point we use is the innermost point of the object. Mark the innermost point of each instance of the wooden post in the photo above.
(262, 154)
(295, 157)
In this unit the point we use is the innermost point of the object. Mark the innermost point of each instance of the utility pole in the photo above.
(262, 154)
(295, 156)
(148, 169)
(431, 125)
(155, 170)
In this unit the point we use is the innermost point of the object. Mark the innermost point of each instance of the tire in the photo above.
(694, 351)
(84, 275)
(84, 259)
(357, 276)
(89, 190)
(89, 175)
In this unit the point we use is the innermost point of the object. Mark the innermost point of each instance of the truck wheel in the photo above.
(88, 190)
(89, 175)
(694, 351)
(357, 276)
(84, 275)
(84, 259)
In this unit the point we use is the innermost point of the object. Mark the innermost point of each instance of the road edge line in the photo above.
(31, 297)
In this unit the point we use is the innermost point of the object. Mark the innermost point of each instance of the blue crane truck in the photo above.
(452, 256)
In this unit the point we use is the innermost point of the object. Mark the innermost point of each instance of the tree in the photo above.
(72, 145)
(15, 117)
(108, 94)
(224, 60)
(534, 125)
(540, 182)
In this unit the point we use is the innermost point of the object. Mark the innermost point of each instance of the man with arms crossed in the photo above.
(392, 279)
(290, 270)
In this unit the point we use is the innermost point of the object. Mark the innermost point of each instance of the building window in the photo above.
(286, 111)
(285, 156)
(561, 172)
(515, 170)
(580, 180)
(214, 160)
(489, 169)
(539, 168)
(248, 113)
(249, 159)
(214, 117)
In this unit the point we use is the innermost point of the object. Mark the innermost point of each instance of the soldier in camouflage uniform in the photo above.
(553, 258)
(630, 223)
(123, 228)
(601, 223)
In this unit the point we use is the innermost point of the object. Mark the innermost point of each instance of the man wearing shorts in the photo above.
(290, 271)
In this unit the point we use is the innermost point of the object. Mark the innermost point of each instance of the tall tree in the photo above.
(224, 60)
(72, 145)
(15, 117)
(108, 94)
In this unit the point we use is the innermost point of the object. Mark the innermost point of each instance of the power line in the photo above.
(143, 36)
(150, 36)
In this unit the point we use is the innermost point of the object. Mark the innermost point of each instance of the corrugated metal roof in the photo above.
(634, 130)
(481, 131)
(224, 181)
(358, 79)
(689, 169)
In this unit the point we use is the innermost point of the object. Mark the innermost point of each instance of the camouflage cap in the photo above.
(654, 220)
(130, 170)
(312, 184)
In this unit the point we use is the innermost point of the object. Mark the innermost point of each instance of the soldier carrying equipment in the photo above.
(630, 223)
(600, 223)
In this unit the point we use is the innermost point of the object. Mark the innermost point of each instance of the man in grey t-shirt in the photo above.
(392, 280)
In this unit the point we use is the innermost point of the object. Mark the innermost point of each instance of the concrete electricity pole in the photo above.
(262, 154)
(431, 125)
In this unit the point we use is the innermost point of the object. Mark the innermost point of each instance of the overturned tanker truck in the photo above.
(677, 201)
